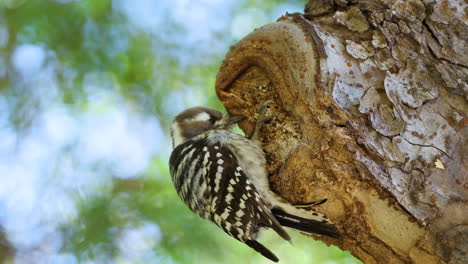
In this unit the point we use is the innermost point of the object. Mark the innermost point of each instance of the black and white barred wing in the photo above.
(239, 209)
(237, 201)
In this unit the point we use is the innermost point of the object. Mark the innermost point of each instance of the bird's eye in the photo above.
(212, 120)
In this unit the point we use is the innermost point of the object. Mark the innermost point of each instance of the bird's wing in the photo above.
(237, 199)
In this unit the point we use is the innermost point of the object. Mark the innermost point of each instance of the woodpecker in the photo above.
(221, 176)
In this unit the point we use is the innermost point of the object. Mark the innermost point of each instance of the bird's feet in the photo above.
(311, 204)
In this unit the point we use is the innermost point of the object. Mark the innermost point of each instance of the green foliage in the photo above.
(91, 236)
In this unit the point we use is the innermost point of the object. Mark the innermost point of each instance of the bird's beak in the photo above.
(233, 119)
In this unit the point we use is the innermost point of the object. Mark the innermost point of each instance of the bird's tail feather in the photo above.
(262, 250)
(305, 225)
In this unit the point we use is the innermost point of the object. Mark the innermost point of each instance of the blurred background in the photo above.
(87, 93)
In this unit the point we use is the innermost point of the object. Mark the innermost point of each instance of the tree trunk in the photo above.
(372, 106)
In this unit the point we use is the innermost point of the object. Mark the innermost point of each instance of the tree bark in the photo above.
(372, 103)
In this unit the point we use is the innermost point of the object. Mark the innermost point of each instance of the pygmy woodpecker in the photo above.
(221, 176)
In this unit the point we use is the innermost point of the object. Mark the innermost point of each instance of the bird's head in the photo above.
(196, 120)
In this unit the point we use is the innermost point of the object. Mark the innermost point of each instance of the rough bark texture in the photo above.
(372, 103)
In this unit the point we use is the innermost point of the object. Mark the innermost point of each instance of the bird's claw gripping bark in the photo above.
(311, 204)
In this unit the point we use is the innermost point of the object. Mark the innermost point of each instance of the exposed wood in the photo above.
(372, 97)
